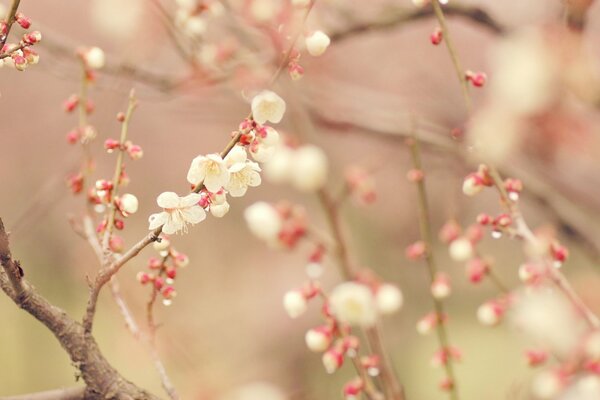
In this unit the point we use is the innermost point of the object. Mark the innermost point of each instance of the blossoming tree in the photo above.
(540, 78)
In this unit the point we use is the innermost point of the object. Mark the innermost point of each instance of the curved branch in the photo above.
(401, 16)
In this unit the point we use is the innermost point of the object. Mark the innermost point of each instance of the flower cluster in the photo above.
(163, 270)
(357, 303)
(214, 176)
(20, 55)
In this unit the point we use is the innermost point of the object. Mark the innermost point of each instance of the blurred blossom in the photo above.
(113, 19)
(548, 319)
(256, 391)
(585, 388)
(494, 133)
(524, 74)
(353, 303)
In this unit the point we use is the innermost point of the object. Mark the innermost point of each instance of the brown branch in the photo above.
(399, 16)
(74, 393)
(101, 378)
(576, 14)
(10, 20)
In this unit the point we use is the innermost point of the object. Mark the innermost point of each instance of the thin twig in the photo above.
(10, 20)
(112, 207)
(427, 237)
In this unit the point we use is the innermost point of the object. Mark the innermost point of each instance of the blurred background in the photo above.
(227, 328)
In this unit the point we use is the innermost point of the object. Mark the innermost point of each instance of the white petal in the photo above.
(219, 210)
(172, 226)
(214, 183)
(237, 190)
(168, 200)
(197, 170)
(190, 200)
(236, 155)
(194, 215)
(253, 178)
(237, 167)
(157, 220)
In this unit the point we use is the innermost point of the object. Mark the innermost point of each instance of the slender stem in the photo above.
(10, 20)
(426, 236)
(460, 72)
(391, 385)
(112, 208)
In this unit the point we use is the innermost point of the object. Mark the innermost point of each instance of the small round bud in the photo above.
(317, 43)
(294, 303)
(318, 339)
(389, 299)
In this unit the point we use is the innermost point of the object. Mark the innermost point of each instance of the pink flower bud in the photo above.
(332, 360)
(490, 313)
(32, 37)
(559, 252)
(473, 184)
(294, 303)
(73, 136)
(446, 384)
(476, 270)
(182, 260)
(116, 244)
(436, 36)
(119, 224)
(121, 116)
(477, 79)
(353, 388)
(319, 339)
(415, 175)
(168, 292)
(440, 287)
(530, 273)
(171, 272)
(159, 283)
(75, 183)
(536, 357)
(135, 152)
(71, 103)
(19, 61)
(503, 221)
(144, 277)
(111, 144)
(416, 251)
(484, 219)
(296, 71)
(449, 231)
(103, 184)
(474, 233)
(22, 20)
(154, 263)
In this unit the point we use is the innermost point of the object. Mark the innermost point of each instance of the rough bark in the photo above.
(102, 380)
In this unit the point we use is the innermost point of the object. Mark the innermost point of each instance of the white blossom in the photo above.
(128, 203)
(461, 249)
(317, 43)
(263, 149)
(309, 168)
(209, 169)
(263, 221)
(267, 106)
(353, 303)
(389, 299)
(219, 210)
(294, 303)
(179, 212)
(242, 172)
(317, 340)
(94, 57)
(279, 168)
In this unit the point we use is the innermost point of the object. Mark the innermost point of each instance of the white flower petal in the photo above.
(197, 170)
(194, 215)
(158, 219)
(190, 200)
(168, 200)
(172, 226)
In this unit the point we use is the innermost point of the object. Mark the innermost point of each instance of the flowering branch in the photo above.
(401, 16)
(390, 383)
(427, 237)
(100, 377)
(112, 210)
(10, 20)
